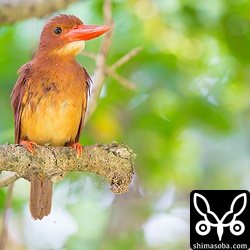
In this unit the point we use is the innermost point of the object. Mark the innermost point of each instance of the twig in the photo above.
(99, 73)
(111, 72)
(125, 58)
(123, 81)
(107, 12)
(6, 217)
(89, 54)
(7, 180)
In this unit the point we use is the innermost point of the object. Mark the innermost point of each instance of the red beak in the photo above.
(85, 32)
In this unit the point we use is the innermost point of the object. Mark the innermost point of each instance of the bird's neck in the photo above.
(48, 60)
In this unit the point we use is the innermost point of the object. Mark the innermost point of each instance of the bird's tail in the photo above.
(40, 198)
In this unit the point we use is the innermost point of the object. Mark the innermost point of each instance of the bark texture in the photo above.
(113, 162)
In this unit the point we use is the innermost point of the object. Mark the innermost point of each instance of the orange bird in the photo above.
(50, 97)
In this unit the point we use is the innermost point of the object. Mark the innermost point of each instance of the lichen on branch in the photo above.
(113, 162)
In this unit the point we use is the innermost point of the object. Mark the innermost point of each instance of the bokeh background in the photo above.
(188, 122)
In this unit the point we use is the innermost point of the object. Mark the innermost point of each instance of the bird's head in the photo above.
(66, 35)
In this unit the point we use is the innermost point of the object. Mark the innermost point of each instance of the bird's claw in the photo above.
(78, 147)
(29, 145)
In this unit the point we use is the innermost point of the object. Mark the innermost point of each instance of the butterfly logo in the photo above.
(210, 219)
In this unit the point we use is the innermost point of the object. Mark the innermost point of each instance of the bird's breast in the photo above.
(53, 111)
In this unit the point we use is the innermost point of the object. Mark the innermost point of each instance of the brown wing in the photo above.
(84, 108)
(17, 98)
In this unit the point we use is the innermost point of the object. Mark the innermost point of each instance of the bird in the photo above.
(50, 97)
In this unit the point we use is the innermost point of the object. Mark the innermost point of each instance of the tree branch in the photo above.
(111, 72)
(7, 180)
(16, 10)
(113, 162)
(101, 57)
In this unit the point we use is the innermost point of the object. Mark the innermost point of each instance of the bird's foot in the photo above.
(41, 176)
(78, 147)
(29, 145)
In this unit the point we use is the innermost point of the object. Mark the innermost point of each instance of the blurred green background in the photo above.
(188, 122)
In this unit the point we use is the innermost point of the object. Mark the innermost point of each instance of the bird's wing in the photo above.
(84, 108)
(17, 98)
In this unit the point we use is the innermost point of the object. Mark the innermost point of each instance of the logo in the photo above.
(219, 219)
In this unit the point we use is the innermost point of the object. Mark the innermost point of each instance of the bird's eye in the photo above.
(57, 30)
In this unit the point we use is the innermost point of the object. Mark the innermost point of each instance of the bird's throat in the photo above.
(72, 48)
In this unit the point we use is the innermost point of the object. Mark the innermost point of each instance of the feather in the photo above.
(40, 198)
(17, 98)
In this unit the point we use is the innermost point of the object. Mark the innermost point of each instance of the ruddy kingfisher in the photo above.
(50, 97)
